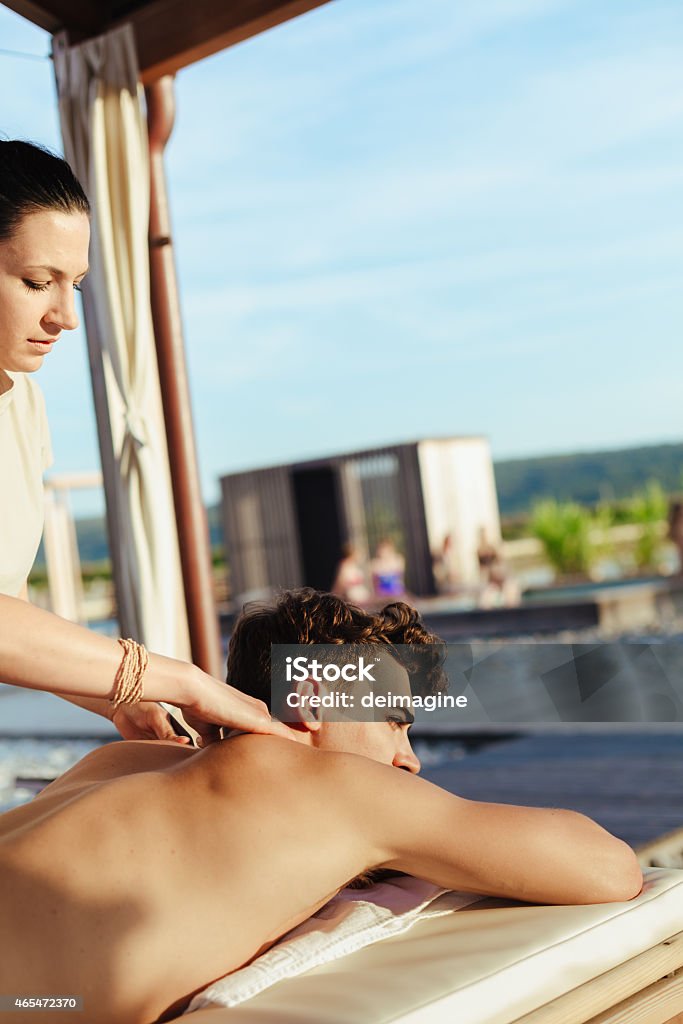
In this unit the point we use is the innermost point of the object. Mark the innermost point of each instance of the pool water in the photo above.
(591, 588)
(27, 759)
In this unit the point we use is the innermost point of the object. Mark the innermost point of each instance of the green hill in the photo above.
(586, 477)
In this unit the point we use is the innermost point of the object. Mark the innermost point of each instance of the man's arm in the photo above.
(536, 854)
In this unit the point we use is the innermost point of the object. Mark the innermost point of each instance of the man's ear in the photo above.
(306, 716)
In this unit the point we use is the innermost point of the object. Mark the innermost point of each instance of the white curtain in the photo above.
(105, 141)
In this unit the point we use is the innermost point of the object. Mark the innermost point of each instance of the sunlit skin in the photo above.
(41, 266)
(253, 835)
(383, 738)
(219, 851)
(387, 742)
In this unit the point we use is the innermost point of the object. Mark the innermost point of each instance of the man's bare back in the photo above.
(227, 828)
(254, 835)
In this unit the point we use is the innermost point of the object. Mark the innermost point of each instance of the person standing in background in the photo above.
(388, 571)
(350, 581)
(497, 586)
(676, 530)
(446, 568)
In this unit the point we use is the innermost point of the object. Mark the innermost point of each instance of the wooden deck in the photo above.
(631, 784)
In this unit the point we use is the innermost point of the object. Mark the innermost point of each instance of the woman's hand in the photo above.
(44, 652)
(145, 721)
(212, 705)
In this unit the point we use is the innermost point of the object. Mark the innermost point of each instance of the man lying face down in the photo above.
(149, 870)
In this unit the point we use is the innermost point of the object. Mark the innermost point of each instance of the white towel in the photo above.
(351, 920)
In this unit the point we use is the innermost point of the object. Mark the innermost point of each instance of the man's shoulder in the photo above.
(281, 757)
(378, 812)
(348, 791)
(279, 751)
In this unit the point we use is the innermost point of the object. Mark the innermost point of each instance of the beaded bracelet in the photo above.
(128, 679)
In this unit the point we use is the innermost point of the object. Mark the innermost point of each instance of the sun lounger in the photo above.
(498, 962)
(664, 852)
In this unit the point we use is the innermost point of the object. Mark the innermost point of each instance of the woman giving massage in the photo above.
(44, 236)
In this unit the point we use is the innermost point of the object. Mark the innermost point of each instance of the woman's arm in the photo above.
(43, 652)
(146, 720)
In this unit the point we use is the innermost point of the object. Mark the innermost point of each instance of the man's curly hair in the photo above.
(308, 616)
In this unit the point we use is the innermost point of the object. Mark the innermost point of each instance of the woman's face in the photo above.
(41, 265)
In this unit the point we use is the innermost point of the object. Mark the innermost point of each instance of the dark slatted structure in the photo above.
(631, 783)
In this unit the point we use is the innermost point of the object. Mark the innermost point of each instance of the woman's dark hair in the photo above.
(34, 179)
(309, 616)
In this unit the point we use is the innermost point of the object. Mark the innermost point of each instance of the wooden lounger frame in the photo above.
(664, 852)
(645, 990)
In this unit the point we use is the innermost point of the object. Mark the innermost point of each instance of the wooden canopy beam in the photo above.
(169, 34)
(82, 18)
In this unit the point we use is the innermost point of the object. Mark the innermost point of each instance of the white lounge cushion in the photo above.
(351, 920)
(487, 963)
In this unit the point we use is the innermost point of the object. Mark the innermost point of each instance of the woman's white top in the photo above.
(25, 453)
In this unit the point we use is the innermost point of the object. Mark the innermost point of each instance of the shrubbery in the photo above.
(564, 528)
(575, 536)
(648, 507)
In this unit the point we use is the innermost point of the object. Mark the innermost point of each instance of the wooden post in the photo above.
(193, 531)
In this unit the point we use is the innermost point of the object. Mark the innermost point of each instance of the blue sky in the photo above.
(397, 219)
